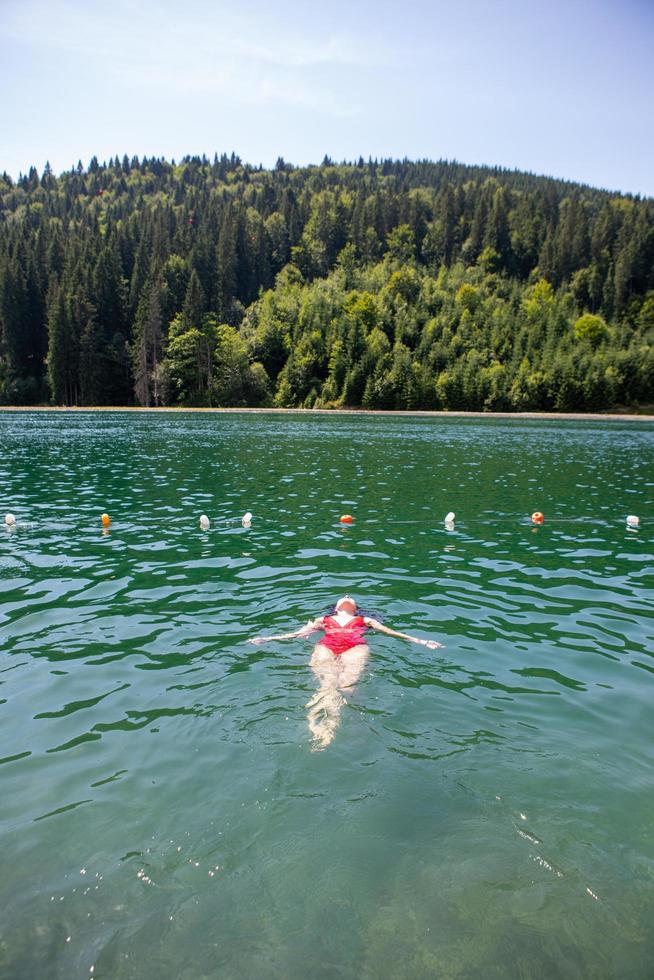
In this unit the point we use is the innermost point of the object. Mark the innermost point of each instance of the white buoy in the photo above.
(449, 518)
(246, 520)
(633, 521)
(205, 523)
(10, 520)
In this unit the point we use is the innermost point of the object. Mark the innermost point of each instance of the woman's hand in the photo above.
(432, 645)
(257, 640)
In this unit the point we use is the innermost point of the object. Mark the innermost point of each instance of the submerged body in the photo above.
(338, 660)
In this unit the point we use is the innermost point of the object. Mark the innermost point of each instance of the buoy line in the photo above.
(632, 521)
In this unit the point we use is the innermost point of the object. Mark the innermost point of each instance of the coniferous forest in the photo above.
(379, 284)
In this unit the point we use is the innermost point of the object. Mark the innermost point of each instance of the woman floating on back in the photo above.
(337, 661)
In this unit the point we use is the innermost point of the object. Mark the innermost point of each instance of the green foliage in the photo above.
(208, 365)
(591, 328)
(405, 284)
(467, 297)
(147, 347)
(539, 301)
(189, 366)
(389, 285)
(62, 350)
(361, 309)
(401, 244)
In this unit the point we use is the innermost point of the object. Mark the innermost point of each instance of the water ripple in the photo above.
(482, 809)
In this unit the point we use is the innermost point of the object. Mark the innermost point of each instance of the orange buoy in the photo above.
(105, 520)
(537, 517)
(346, 519)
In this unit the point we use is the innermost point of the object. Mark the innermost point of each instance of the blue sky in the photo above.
(561, 88)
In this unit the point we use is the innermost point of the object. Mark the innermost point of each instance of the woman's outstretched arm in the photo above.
(431, 644)
(306, 630)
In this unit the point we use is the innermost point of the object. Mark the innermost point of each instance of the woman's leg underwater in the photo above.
(351, 664)
(325, 705)
(335, 674)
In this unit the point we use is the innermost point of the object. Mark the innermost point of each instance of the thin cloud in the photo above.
(149, 34)
(160, 52)
(227, 82)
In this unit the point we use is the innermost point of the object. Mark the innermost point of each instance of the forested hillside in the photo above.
(378, 284)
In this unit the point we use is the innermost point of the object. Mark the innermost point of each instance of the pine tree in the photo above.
(93, 365)
(194, 302)
(497, 236)
(226, 264)
(147, 346)
(62, 358)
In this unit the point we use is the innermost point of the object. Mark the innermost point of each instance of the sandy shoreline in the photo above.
(561, 416)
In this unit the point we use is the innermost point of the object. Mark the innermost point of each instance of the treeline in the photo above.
(383, 284)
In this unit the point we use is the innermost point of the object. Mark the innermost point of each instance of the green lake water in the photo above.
(484, 810)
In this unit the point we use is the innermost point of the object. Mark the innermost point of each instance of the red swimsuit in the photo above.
(339, 638)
